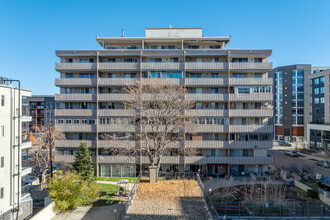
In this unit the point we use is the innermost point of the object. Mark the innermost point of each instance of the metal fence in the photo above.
(122, 212)
(207, 198)
(285, 209)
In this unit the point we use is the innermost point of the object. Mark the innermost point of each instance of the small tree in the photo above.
(70, 191)
(302, 171)
(82, 163)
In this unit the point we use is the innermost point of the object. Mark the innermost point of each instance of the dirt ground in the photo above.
(168, 199)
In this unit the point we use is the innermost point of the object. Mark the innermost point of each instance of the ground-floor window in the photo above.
(118, 170)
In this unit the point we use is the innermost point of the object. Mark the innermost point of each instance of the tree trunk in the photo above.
(43, 179)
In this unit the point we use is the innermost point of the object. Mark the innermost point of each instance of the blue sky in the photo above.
(31, 30)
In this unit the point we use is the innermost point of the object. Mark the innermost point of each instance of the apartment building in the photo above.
(291, 102)
(318, 130)
(14, 198)
(231, 89)
(42, 110)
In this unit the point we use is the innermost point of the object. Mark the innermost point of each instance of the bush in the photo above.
(313, 193)
(70, 191)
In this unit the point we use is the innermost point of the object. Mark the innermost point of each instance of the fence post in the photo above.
(239, 208)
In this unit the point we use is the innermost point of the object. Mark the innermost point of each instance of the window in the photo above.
(214, 46)
(2, 162)
(258, 75)
(300, 120)
(193, 46)
(111, 60)
(214, 90)
(258, 60)
(2, 193)
(68, 75)
(214, 75)
(316, 81)
(132, 47)
(156, 60)
(322, 100)
(69, 60)
(316, 100)
(2, 100)
(174, 60)
(322, 80)
(195, 75)
(240, 75)
(129, 60)
(240, 60)
(243, 90)
(86, 75)
(86, 60)
(316, 91)
(322, 90)
(2, 131)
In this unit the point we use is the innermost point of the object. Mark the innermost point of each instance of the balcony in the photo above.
(207, 112)
(208, 128)
(251, 113)
(75, 97)
(73, 143)
(251, 97)
(117, 143)
(62, 67)
(228, 160)
(116, 112)
(207, 97)
(75, 82)
(117, 159)
(251, 128)
(206, 81)
(114, 97)
(75, 128)
(117, 128)
(176, 81)
(119, 66)
(164, 160)
(64, 158)
(26, 170)
(250, 81)
(75, 112)
(162, 66)
(117, 81)
(206, 66)
(251, 66)
(209, 144)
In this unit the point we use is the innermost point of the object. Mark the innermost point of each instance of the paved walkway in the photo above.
(90, 213)
(311, 157)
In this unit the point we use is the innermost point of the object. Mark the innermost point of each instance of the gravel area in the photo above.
(174, 199)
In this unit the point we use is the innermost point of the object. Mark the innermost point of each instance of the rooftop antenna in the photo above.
(122, 33)
(170, 26)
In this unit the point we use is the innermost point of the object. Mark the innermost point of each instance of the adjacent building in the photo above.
(291, 101)
(318, 130)
(42, 110)
(14, 199)
(231, 88)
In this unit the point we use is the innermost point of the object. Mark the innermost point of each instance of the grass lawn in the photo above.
(116, 179)
(107, 195)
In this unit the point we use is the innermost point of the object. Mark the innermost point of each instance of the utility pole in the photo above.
(50, 152)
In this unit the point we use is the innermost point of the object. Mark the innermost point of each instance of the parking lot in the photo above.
(281, 160)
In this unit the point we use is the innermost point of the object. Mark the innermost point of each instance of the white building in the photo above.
(12, 141)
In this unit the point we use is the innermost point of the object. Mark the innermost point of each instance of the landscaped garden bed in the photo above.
(165, 199)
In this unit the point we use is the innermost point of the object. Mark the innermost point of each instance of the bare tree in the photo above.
(41, 151)
(302, 171)
(160, 117)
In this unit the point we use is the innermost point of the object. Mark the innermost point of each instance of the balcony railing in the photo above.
(228, 160)
(208, 128)
(251, 112)
(251, 97)
(174, 160)
(206, 65)
(75, 128)
(251, 66)
(73, 143)
(75, 66)
(251, 128)
(116, 81)
(75, 82)
(117, 128)
(208, 144)
(118, 66)
(250, 81)
(162, 66)
(206, 81)
(116, 112)
(207, 112)
(114, 97)
(207, 97)
(75, 97)
(75, 112)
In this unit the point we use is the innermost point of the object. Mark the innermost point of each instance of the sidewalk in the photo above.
(310, 157)
(129, 185)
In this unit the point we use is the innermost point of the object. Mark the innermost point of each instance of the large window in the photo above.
(322, 80)
(86, 75)
(316, 100)
(243, 90)
(322, 100)
(322, 90)
(316, 81)
(316, 91)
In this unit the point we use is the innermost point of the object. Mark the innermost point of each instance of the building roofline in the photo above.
(14, 87)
